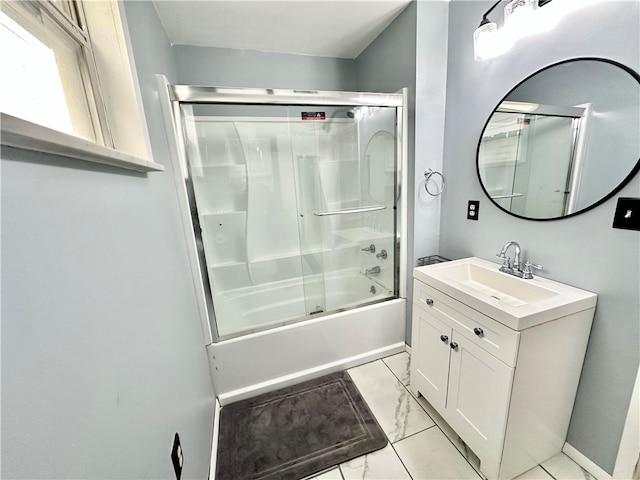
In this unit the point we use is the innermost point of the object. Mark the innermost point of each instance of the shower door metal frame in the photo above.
(178, 94)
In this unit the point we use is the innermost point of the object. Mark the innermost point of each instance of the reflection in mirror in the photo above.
(557, 145)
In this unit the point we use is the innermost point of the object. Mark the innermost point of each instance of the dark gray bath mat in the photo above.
(296, 431)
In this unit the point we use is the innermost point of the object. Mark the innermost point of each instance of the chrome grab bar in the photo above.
(345, 211)
(513, 195)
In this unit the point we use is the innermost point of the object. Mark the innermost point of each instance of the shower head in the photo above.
(350, 113)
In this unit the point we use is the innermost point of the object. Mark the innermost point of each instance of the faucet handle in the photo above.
(506, 265)
(526, 273)
(371, 249)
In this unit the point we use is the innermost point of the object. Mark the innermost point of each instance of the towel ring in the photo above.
(428, 173)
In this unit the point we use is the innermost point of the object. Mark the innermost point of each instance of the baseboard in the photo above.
(301, 376)
(214, 441)
(597, 472)
(628, 458)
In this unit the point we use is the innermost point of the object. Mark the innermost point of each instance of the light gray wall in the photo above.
(583, 251)
(431, 94)
(103, 358)
(412, 52)
(388, 64)
(247, 68)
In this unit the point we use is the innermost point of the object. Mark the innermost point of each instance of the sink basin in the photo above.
(515, 302)
(491, 282)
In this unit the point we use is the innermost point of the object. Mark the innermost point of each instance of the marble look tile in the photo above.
(399, 365)
(380, 465)
(450, 434)
(536, 473)
(563, 467)
(333, 474)
(397, 412)
(430, 455)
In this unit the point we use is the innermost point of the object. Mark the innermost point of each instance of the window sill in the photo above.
(20, 133)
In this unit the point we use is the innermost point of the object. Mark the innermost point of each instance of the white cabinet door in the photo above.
(431, 358)
(478, 397)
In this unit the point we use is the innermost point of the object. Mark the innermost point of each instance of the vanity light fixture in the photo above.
(484, 37)
(490, 41)
(517, 13)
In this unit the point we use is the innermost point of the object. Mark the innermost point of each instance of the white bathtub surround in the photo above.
(252, 364)
(282, 235)
(397, 412)
(268, 305)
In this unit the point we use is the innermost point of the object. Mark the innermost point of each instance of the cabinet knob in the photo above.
(453, 345)
(444, 338)
(478, 331)
(429, 302)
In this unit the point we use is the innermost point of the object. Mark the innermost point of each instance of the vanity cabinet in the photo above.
(508, 394)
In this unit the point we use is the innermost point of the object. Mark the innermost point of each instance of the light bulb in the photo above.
(490, 42)
(517, 15)
(482, 40)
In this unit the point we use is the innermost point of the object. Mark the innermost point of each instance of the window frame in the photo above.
(27, 135)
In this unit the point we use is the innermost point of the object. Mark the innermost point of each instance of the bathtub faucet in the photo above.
(372, 271)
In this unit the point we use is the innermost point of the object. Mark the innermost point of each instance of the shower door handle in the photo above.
(346, 211)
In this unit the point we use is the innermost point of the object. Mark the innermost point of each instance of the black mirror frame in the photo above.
(624, 182)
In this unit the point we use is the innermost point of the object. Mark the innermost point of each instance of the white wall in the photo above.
(584, 250)
(103, 359)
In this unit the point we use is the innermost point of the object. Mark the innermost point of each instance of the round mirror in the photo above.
(564, 140)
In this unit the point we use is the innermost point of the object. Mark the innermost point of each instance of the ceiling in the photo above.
(325, 28)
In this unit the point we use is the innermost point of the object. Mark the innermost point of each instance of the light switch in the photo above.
(627, 214)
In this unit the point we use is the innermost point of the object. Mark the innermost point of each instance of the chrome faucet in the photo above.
(372, 271)
(514, 269)
(507, 267)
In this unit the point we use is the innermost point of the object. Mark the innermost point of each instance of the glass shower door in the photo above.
(305, 128)
(293, 207)
(529, 158)
(241, 171)
(349, 187)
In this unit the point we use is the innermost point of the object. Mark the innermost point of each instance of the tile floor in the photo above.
(418, 449)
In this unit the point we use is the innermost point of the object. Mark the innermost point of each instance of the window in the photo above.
(49, 71)
(55, 54)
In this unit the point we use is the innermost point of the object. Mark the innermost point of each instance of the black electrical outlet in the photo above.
(176, 456)
(473, 209)
(627, 214)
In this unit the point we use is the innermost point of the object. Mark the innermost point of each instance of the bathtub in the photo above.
(251, 309)
(280, 356)
(276, 354)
